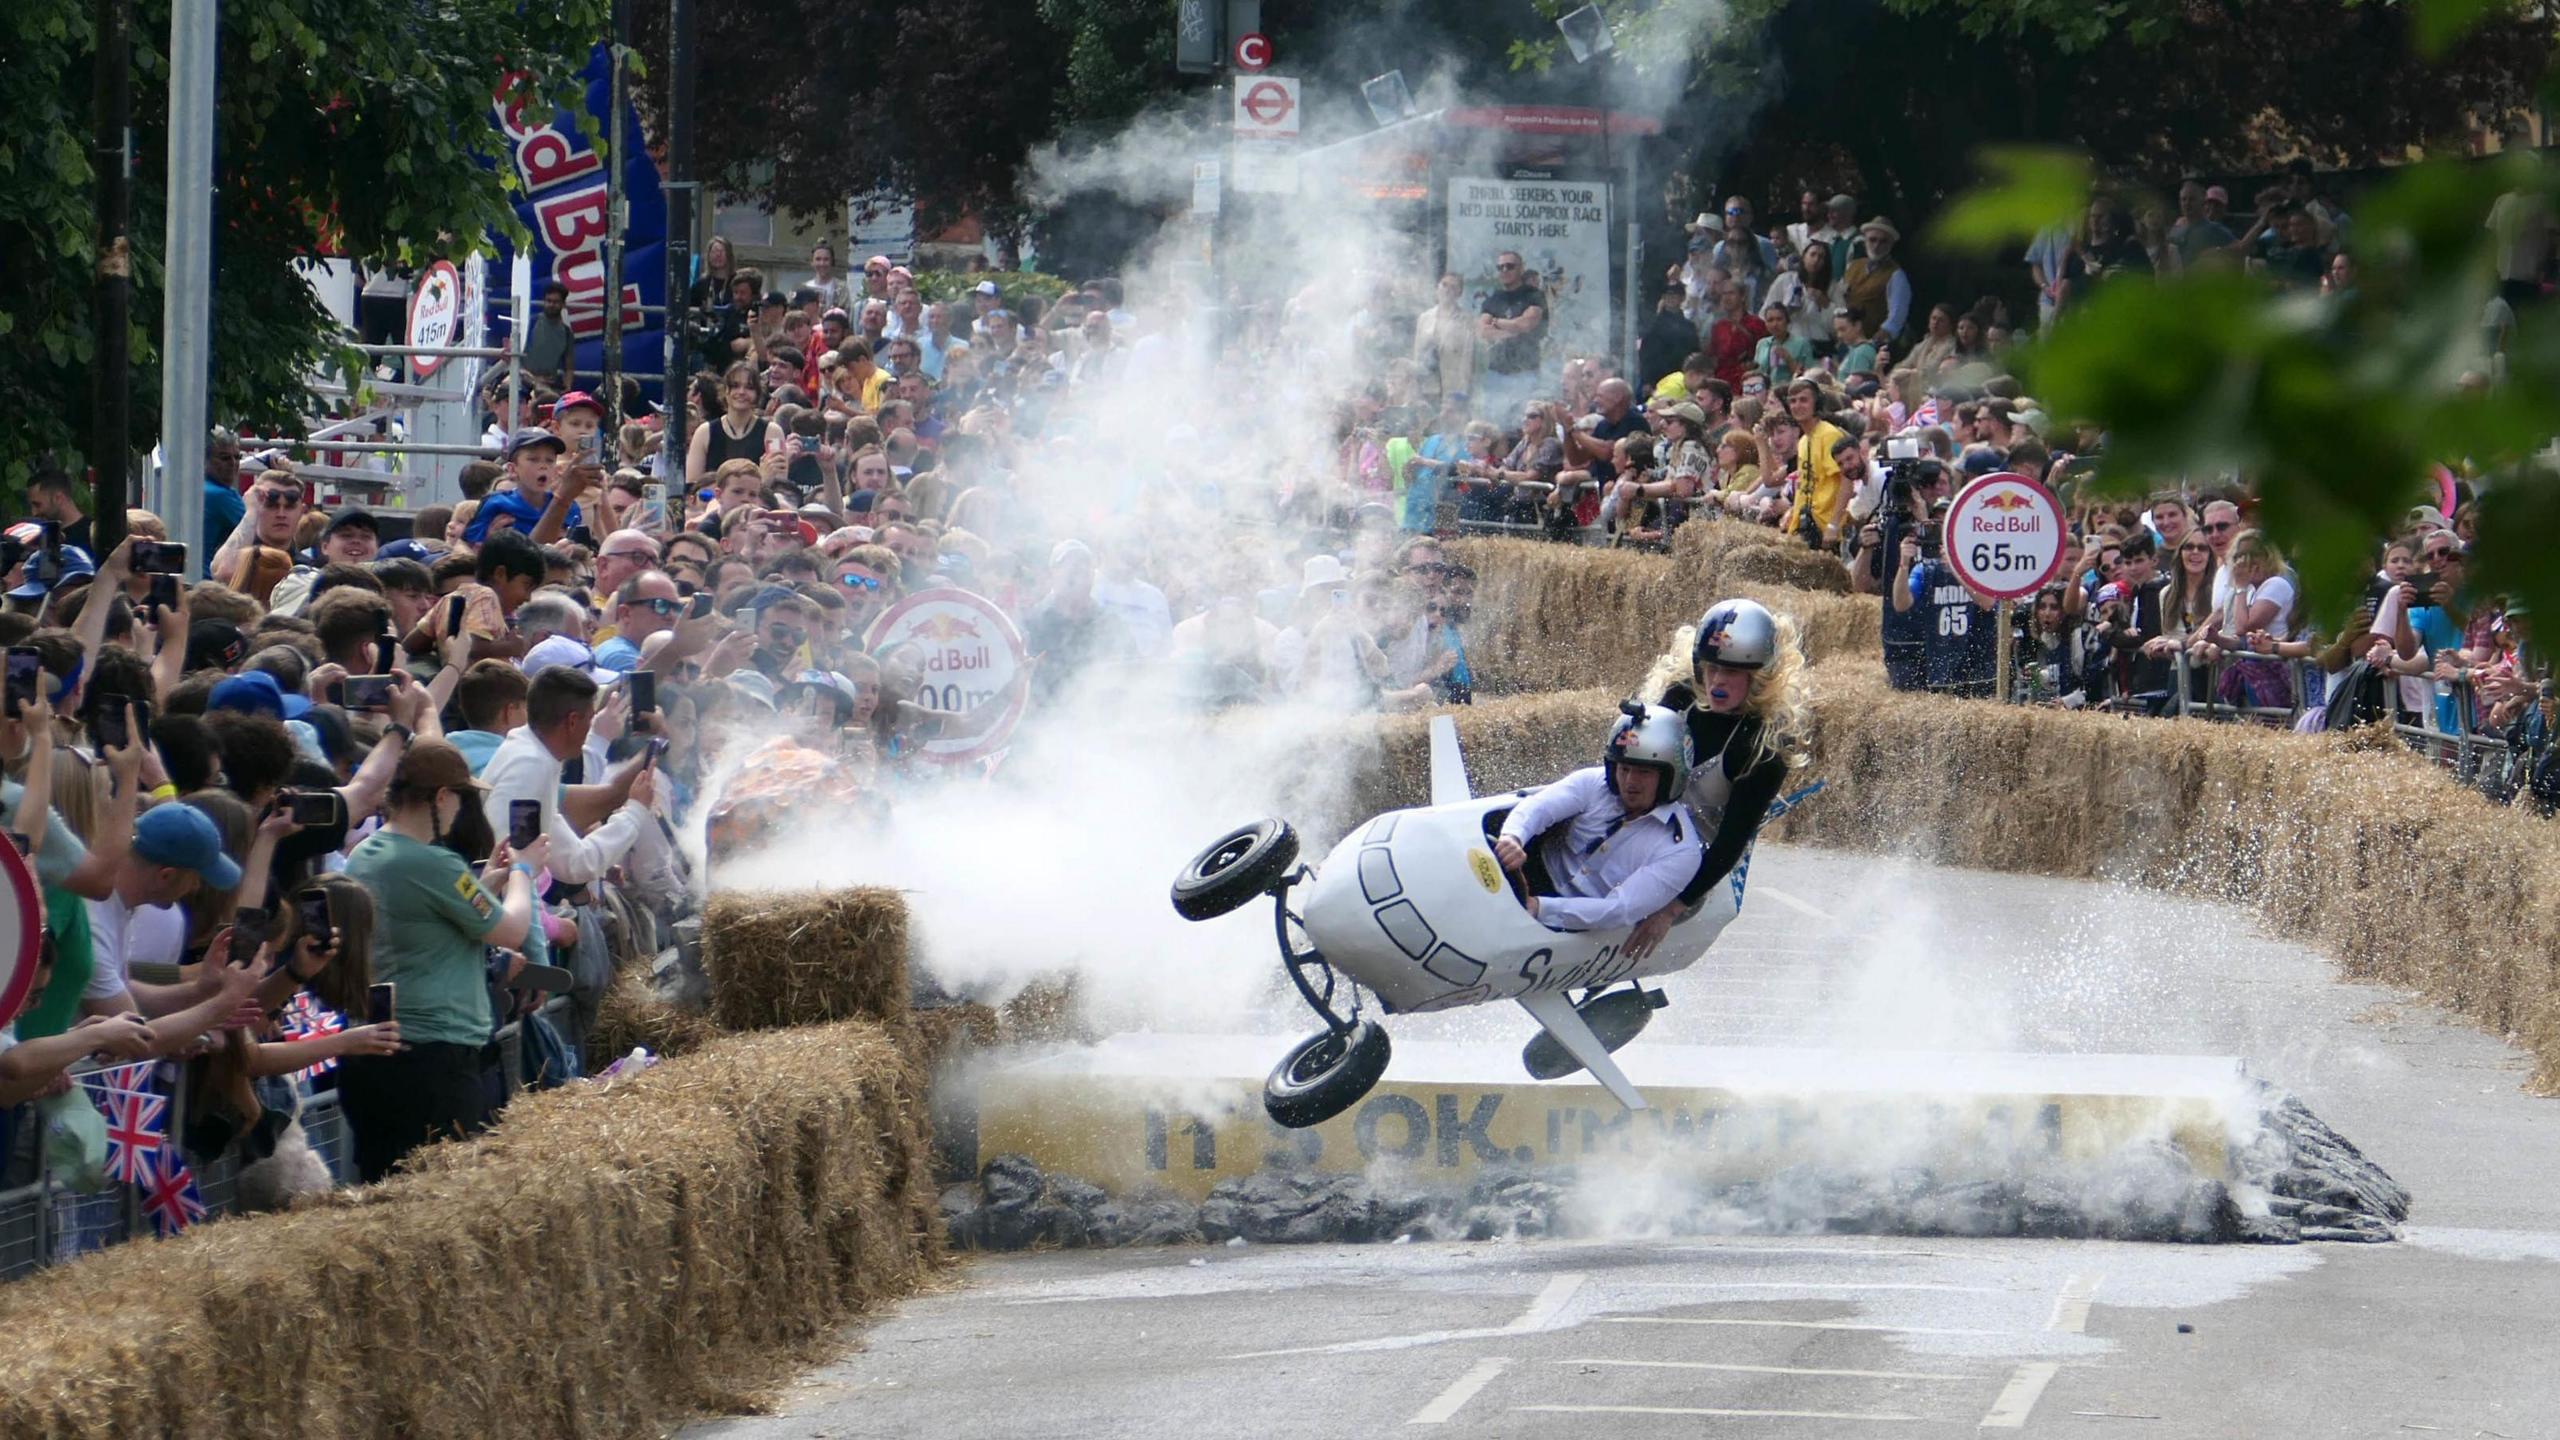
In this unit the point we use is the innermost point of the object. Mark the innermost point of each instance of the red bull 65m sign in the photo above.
(2005, 536)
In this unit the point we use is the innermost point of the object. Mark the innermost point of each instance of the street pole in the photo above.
(2008, 648)
(680, 193)
(110, 318)
(613, 232)
(186, 308)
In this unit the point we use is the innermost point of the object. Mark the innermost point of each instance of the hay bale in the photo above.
(805, 957)
(632, 1013)
(1567, 617)
(687, 1231)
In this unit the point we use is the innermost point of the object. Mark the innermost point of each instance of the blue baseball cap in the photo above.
(257, 693)
(180, 835)
(409, 549)
(74, 564)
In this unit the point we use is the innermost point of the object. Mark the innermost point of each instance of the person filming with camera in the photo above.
(1959, 649)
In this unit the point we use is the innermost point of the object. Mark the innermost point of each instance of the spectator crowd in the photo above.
(425, 772)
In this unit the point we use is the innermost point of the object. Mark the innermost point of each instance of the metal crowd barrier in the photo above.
(45, 1222)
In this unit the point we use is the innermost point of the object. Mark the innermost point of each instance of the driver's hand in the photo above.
(1508, 851)
(1649, 931)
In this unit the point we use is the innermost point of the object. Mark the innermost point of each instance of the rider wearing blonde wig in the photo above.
(1739, 676)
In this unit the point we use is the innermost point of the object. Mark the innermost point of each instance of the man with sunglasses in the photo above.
(2221, 525)
(643, 605)
(275, 507)
(867, 577)
(1512, 322)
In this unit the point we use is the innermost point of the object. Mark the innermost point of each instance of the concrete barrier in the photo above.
(1185, 1112)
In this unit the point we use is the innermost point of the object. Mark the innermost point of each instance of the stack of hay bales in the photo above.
(1566, 617)
(605, 1260)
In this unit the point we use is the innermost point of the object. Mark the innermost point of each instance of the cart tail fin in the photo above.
(1551, 1009)
(1448, 767)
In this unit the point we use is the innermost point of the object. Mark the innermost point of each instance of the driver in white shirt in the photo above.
(1616, 841)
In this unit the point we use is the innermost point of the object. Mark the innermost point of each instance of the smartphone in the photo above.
(314, 808)
(163, 594)
(18, 682)
(311, 907)
(644, 691)
(368, 692)
(453, 615)
(2422, 589)
(653, 508)
(591, 446)
(524, 822)
(701, 606)
(25, 845)
(248, 932)
(657, 750)
(107, 727)
(381, 1002)
(159, 557)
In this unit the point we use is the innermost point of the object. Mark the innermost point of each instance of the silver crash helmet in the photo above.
(1654, 736)
(1737, 634)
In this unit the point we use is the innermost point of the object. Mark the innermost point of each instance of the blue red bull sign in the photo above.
(562, 193)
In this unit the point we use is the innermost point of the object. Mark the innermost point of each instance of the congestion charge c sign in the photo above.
(2005, 536)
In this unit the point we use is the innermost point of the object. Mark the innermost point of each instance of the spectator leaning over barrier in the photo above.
(561, 715)
(2258, 615)
(176, 850)
(35, 1066)
(435, 917)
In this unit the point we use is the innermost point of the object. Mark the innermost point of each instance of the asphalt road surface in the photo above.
(2454, 1331)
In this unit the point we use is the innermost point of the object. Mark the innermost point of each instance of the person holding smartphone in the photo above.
(435, 919)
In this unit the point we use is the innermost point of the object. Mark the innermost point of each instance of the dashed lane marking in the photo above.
(1445, 1406)
(2071, 1307)
(2018, 1398)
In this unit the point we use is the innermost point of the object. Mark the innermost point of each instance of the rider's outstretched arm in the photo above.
(1752, 796)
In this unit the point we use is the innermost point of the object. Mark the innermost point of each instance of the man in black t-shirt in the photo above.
(1513, 327)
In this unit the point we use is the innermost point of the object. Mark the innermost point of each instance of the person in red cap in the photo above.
(578, 419)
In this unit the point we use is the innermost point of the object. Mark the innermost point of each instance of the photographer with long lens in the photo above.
(1912, 484)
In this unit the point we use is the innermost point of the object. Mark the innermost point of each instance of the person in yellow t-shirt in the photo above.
(1822, 493)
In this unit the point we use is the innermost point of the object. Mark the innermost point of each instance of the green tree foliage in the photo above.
(2336, 410)
(368, 121)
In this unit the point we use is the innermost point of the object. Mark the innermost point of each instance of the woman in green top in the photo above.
(436, 921)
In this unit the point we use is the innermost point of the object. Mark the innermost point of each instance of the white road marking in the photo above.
(1701, 1410)
(1793, 1325)
(1768, 1369)
(1542, 1311)
(1791, 902)
(1807, 1285)
(1450, 1401)
(2018, 1398)
(2071, 1307)
(1541, 1315)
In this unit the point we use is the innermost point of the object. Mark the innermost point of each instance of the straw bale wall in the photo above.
(605, 1260)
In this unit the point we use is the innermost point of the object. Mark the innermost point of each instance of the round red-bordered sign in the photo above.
(21, 930)
(2005, 536)
(435, 315)
(1267, 101)
(1253, 52)
(968, 656)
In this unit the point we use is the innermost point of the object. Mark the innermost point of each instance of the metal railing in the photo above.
(45, 1222)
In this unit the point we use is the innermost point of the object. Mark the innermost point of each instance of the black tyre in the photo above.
(1238, 866)
(1616, 1018)
(1324, 1075)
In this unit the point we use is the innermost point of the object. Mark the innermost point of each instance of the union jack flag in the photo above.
(308, 1019)
(1926, 415)
(135, 1120)
(169, 1194)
